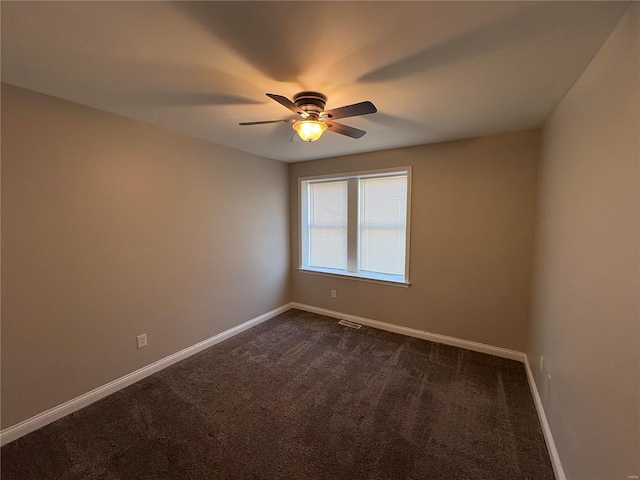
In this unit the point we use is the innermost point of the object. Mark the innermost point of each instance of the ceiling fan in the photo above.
(315, 119)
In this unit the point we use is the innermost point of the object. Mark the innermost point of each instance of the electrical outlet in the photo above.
(541, 362)
(548, 382)
(142, 340)
(333, 294)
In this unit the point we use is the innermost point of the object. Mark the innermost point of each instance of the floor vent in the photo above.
(349, 324)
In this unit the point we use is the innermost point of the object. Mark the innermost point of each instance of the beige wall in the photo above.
(112, 228)
(473, 208)
(585, 320)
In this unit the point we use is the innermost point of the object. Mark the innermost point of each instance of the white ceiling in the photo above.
(436, 71)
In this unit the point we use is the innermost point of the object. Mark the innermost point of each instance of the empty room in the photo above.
(320, 240)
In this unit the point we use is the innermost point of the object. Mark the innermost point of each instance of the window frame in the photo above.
(353, 227)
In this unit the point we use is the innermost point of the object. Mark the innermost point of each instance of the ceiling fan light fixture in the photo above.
(309, 130)
(315, 119)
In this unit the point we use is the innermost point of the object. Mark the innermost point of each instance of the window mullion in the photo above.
(352, 225)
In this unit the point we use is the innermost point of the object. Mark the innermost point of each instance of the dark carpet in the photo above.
(301, 397)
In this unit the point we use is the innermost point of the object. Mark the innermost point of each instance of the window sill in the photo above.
(353, 276)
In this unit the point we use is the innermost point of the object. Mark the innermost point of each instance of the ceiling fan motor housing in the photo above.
(310, 102)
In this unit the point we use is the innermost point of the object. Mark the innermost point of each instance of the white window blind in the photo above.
(383, 222)
(328, 224)
(356, 225)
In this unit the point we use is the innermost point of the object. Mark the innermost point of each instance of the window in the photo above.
(357, 225)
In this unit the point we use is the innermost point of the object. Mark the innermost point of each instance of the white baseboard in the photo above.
(412, 332)
(38, 421)
(548, 438)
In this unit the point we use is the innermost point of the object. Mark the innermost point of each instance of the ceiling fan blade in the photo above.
(362, 108)
(244, 124)
(295, 138)
(344, 130)
(285, 102)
